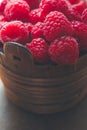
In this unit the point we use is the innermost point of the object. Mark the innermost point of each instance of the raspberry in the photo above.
(2, 5)
(34, 16)
(17, 10)
(14, 31)
(64, 50)
(79, 7)
(33, 3)
(47, 6)
(73, 14)
(84, 16)
(50, 5)
(39, 50)
(55, 25)
(37, 30)
(80, 33)
(63, 6)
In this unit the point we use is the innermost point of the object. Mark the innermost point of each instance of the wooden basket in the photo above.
(41, 88)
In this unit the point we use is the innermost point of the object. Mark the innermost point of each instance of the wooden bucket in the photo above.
(41, 88)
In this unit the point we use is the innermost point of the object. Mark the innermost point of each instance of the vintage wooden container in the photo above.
(41, 88)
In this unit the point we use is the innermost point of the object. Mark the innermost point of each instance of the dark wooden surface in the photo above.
(13, 118)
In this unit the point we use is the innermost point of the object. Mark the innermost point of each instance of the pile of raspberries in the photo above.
(54, 31)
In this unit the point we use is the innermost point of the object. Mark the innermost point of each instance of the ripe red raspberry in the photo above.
(47, 6)
(14, 31)
(34, 16)
(33, 3)
(79, 7)
(63, 6)
(80, 33)
(84, 16)
(2, 5)
(64, 50)
(73, 14)
(55, 25)
(37, 30)
(17, 10)
(39, 50)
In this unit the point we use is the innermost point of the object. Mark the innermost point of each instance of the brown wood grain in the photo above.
(14, 118)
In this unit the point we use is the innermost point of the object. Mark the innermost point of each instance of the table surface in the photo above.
(13, 118)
